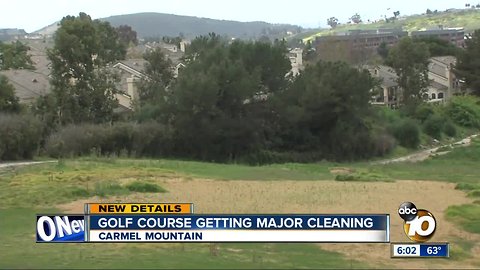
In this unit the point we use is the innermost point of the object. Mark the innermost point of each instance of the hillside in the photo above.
(159, 24)
(469, 19)
(48, 30)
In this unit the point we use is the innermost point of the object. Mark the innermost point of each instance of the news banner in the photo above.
(177, 222)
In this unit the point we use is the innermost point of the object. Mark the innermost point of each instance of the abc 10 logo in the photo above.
(419, 224)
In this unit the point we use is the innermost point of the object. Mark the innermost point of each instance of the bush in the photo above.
(423, 112)
(151, 139)
(464, 111)
(363, 177)
(407, 133)
(139, 186)
(434, 126)
(76, 140)
(467, 186)
(147, 139)
(383, 143)
(20, 136)
(449, 129)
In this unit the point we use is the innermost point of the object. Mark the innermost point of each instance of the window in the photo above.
(440, 95)
(434, 96)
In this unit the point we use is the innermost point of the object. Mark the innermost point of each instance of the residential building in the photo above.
(29, 84)
(131, 72)
(389, 93)
(456, 36)
(365, 38)
(355, 46)
(443, 83)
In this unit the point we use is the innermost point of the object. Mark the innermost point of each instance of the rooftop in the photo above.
(29, 84)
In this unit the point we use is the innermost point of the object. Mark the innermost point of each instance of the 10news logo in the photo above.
(419, 224)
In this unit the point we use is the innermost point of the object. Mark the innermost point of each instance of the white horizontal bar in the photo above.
(379, 236)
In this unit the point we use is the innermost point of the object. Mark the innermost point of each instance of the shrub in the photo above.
(388, 115)
(139, 186)
(474, 193)
(350, 140)
(76, 140)
(151, 139)
(105, 188)
(434, 126)
(363, 177)
(146, 139)
(464, 111)
(407, 133)
(467, 186)
(449, 129)
(423, 112)
(20, 136)
(383, 143)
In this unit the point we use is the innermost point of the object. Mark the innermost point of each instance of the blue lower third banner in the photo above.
(60, 228)
(239, 228)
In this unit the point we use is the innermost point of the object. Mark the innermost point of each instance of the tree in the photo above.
(159, 74)
(356, 18)
(410, 61)
(218, 104)
(172, 40)
(333, 22)
(383, 50)
(8, 100)
(212, 107)
(429, 11)
(317, 113)
(468, 66)
(15, 56)
(396, 14)
(82, 85)
(127, 35)
(438, 47)
(309, 52)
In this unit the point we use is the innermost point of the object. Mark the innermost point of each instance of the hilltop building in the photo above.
(456, 36)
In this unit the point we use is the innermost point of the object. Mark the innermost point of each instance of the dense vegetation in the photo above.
(14, 56)
(233, 102)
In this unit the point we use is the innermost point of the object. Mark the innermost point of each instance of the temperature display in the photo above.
(404, 250)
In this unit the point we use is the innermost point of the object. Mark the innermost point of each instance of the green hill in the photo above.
(466, 18)
(159, 24)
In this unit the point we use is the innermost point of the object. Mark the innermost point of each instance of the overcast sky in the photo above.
(32, 15)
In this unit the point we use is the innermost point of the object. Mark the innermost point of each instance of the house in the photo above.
(443, 83)
(131, 72)
(389, 93)
(29, 84)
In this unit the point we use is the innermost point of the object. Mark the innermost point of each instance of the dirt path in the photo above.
(25, 163)
(424, 154)
(213, 196)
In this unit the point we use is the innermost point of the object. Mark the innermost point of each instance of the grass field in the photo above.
(45, 188)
